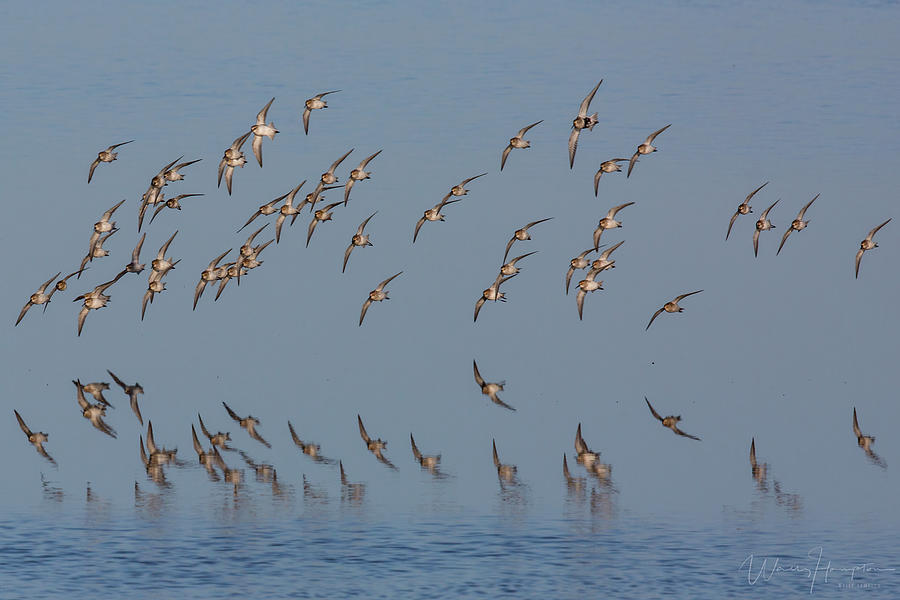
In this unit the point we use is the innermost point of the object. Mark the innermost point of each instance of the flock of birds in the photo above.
(155, 457)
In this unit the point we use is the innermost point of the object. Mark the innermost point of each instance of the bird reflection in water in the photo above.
(430, 463)
(351, 493)
(758, 470)
(865, 442)
(50, 492)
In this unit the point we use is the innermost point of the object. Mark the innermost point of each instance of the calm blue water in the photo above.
(776, 349)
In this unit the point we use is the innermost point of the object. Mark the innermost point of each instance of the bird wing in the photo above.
(753, 193)
(756, 243)
(631, 163)
(365, 309)
(505, 154)
(874, 231)
(231, 413)
(526, 128)
(655, 414)
(347, 256)
(734, 217)
(93, 166)
(784, 239)
(569, 274)
(261, 116)
(653, 318)
(586, 103)
(856, 430)
(478, 306)
(306, 113)
(808, 204)
(257, 148)
(335, 164)
(766, 212)
(386, 281)
(653, 135)
(478, 378)
(362, 430)
(573, 146)
(22, 424)
(683, 296)
(579, 300)
(859, 254)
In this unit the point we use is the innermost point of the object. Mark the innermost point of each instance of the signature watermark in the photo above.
(762, 569)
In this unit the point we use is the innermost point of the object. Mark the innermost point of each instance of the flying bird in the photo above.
(328, 177)
(671, 307)
(320, 216)
(93, 412)
(261, 130)
(376, 446)
(233, 157)
(796, 225)
(865, 442)
(460, 188)
(35, 439)
(308, 448)
(105, 156)
(608, 222)
(517, 142)
(219, 439)
(763, 224)
(646, 148)
(743, 208)
(358, 174)
(607, 166)
(521, 235)
(576, 264)
(868, 244)
(94, 300)
(359, 239)
(671, 422)
(208, 275)
(132, 392)
(249, 423)
(376, 295)
(604, 262)
(39, 297)
(493, 294)
(174, 174)
(582, 121)
(426, 462)
(588, 284)
(490, 389)
(171, 203)
(312, 104)
(509, 268)
(433, 214)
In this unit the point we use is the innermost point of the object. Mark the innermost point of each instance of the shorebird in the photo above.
(207, 459)
(105, 156)
(328, 177)
(607, 166)
(603, 262)
(162, 265)
(208, 275)
(249, 423)
(219, 439)
(743, 208)
(517, 142)
(763, 224)
(796, 225)
(229, 271)
(104, 225)
(376, 446)
(265, 210)
(460, 188)
(376, 295)
(308, 448)
(608, 222)
(646, 148)
(588, 284)
(358, 174)
(35, 439)
(154, 286)
(583, 454)
(39, 297)
(320, 216)
(312, 104)
(359, 239)
(671, 422)
(509, 268)
(433, 214)
(865, 442)
(159, 455)
(132, 392)
(758, 470)
(174, 174)
(521, 235)
(426, 462)
(576, 264)
(287, 210)
(61, 285)
(232, 158)
(94, 300)
(233, 476)
(671, 307)
(136, 266)
(582, 121)
(97, 250)
(154, 192)
(95, 389)
(93, 412)
(490, 389)
(493, 294)
(261, 130)
(867, 244)
(505, 472)
(171, 203)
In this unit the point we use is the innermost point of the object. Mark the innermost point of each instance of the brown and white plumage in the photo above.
(646, 148)
(358, 174)
(376, 295)
(39, 297)
(608, 222)
(607, 166)
(492, 293)
(35, 439)
(132, 392)
(320, 216)
(328, 177)
(172, 203)
(359, 239)
(518, 141)
(490, 389)
(260, 130)
(763, 224)
(868, 244)
(576, 264)
(582, 121)
(174, 174)
(94, 300)
(796, 225)
(425, 461)
(308, 448)
(209, 274)
(233, 157)
(504, 472)
(105, 156)
(865, 442)
(460, 188)
(312, 104)
(375, 446)
(93, 412)
(743, 208)
(521, 235)
(671, 307)
(588, 284)
(433, 214)
(671, 421)
(249, 423)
